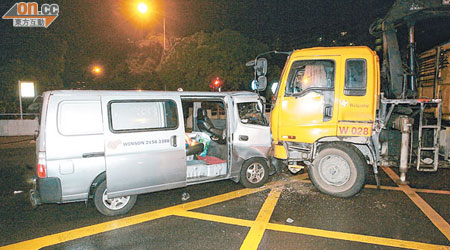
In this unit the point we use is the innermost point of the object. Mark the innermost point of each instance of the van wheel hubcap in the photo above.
(255, 173)
(115, 203)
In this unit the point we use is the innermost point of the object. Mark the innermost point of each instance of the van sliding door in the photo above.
(144, 144)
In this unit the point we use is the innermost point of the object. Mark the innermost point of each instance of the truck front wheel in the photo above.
(339, 170)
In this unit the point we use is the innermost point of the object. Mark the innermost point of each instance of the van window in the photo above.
(251, 113)
(307, 74)
(355, 77)
(142, 115)
(80, 118)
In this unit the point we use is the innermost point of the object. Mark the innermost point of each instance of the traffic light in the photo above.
(216, 84)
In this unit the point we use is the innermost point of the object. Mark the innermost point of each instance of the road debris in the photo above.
(185, 196)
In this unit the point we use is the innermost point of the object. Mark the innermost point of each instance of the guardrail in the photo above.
(15, 124)
(13, 116)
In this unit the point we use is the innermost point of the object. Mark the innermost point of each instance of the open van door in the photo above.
(144, 144)
(251, 133)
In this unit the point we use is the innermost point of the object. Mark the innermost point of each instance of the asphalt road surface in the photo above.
(287, 213)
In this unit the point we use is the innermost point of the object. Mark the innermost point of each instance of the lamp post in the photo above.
(26, 89)
(142, 8)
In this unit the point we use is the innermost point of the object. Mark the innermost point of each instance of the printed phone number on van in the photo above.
(146, 142)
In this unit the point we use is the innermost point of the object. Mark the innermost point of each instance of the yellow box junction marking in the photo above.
(312, 232)
(391, 188)
(354, 237)
(434, 217)
(254, 236)
(78, 233)
(256, 232)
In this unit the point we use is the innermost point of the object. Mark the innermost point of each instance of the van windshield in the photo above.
(252, 113)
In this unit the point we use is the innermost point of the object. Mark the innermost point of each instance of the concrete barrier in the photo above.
(18, 127)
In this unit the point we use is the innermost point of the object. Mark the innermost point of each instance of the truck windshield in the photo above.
(252, 113)
(310, 74)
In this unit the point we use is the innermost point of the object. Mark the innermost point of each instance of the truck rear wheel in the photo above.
(339, 170)
(112, 207)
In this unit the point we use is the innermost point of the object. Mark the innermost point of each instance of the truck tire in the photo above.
(339, 170)
(112, 207)
(254, 173)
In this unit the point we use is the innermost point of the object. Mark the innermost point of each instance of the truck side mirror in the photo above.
(260, 84)
(261, 66)
(250, 63)
(262, 80)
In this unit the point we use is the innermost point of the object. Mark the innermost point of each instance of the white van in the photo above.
(113, 145)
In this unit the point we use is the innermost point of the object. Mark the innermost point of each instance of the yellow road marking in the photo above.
(78, 233)
(354, 237)
(256, 232)
(434, 217)
(263, 218)
(313, 232)
(383, 187)
(57, 238)
(420, 190)
(431, 191)
(238, 193)
(215, 218)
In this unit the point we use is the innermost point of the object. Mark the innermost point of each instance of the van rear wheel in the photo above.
(339, 170)
(114, 206)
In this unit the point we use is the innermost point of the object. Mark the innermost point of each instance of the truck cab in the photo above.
(323, 115)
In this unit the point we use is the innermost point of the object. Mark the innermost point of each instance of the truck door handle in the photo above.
(173, 141)
(243, 138)
(93, 154)
(327, 112)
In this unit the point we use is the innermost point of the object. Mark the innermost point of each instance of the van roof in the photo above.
(150, 92)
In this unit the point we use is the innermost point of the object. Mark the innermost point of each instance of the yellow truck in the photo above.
(336, 112)
(323, 115)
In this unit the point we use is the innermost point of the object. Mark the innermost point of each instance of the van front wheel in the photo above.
(114, 206)
(254, 173)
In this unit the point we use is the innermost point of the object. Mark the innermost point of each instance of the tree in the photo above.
(146, 56)
(38, 57)
(194, 61)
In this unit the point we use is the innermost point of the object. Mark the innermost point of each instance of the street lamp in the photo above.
(96, 70)
(142, 7)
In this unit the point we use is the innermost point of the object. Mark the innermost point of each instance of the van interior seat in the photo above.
(206, 125)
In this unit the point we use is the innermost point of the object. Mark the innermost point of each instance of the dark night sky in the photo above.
(99, 30)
